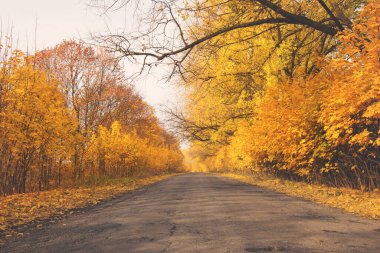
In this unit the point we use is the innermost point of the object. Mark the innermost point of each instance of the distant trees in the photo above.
(67, 115)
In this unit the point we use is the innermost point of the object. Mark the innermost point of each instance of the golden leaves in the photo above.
(121, 150)
(355, 201)
(20, 209)
(321, 127)
(52, 106)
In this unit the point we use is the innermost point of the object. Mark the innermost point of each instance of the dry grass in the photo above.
(19, 209)
(354, 201)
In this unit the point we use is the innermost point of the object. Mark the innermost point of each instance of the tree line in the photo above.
(287, 88)
(294, 103)
(68, 116)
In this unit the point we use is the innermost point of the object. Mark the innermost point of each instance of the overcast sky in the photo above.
(56, 20)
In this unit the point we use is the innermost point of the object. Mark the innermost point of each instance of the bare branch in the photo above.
(298, 19)
(331, 14)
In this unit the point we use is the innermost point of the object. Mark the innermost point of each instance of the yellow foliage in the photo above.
(118, 153)
(354, 201)
(34, 124)
(20, 209)
(67, 116)
(322, 126)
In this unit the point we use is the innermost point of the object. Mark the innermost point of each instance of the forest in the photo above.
(68, 116)
(287, 88)
(295, 101)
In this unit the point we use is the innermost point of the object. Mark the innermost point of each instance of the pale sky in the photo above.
(57, 20)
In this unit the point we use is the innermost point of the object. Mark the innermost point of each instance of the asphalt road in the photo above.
(204, 213)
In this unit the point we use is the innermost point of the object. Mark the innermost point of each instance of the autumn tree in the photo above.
(85, 79)
(68, 116)
(279, 39)
(319, 128)
(267, 83)
(182, 26)
(36, 128)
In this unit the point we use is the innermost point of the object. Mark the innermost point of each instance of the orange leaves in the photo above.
(281, 133)
(20, 209)
(33, 120)
(362, 203)
(117, 152)
(320, 127)
(67, 114)
(350, 109)
(328, 123)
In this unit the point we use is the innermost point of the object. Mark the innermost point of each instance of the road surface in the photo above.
(204, 213)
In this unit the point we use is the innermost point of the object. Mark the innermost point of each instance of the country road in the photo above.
(204, 213)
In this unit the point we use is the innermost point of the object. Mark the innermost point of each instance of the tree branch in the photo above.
(298, 19)
(162, 56)
(331, 14)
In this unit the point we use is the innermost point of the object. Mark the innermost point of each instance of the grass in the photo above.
(365, 204)
(20, 209)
